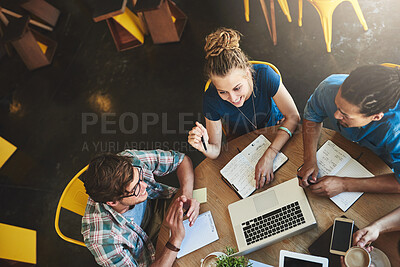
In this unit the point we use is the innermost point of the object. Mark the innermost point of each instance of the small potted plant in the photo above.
(219, 259)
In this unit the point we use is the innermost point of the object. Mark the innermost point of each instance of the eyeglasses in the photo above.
(136, 189)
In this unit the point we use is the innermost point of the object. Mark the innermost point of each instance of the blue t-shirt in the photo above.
(265, 83)
(137, 213)
(382, 137)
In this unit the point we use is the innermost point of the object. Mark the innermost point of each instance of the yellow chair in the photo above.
(391, 65)
(282, 3)
(6, 150)
(17, 244)
(325, 10)
(252, 62)
(74, 198)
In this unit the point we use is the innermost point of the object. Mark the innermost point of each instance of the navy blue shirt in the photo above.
(382, 137)
(265, 83)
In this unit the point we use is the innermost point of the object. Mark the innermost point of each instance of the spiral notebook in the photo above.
(240, 171)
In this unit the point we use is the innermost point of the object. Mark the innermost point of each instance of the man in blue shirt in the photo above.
(364, 108)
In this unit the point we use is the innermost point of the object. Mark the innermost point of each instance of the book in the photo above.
(239, 172)
(202, 233)
(332, 160)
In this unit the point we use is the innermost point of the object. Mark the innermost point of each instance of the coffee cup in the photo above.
(211, 259)
(357, 257)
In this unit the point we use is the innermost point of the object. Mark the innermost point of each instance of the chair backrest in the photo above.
(74, 198)
(391, 65)
(252, 62)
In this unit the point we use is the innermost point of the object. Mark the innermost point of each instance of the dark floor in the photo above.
(94, 99)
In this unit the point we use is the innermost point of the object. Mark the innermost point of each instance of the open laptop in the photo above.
(270, 216)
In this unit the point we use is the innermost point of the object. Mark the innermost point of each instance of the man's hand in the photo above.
(310, 168)
(329, 186)
(366, 235)
(174, 221)
(264, 173)
(191, 208)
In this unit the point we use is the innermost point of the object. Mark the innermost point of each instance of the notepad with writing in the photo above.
(332, 160)
(202, 233)
(240, 171)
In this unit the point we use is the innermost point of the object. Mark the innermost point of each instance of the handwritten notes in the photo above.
(240, 171)
(332, 160)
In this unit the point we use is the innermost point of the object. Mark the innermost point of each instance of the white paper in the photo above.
(258, 264)
(332, 160)
(240, 170)
(202, 233)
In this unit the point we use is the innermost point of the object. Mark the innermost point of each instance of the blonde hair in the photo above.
(223, 53)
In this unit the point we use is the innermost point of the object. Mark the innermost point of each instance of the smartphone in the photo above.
(341, 236)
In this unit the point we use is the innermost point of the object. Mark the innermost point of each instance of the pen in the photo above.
(204, 144)
(301, 178)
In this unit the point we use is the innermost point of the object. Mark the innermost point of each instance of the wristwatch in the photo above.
(171, 247)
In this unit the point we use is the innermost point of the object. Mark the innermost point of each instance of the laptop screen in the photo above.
(292, 262)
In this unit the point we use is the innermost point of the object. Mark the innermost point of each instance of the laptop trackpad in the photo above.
(265, 201)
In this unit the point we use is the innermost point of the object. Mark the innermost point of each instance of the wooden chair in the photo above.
(270, 25)
(74, 198)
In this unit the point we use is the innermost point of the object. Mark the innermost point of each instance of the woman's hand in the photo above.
(366, 235)
(194, 137)
(264, 173)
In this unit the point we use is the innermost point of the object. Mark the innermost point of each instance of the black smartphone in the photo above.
(341, 236)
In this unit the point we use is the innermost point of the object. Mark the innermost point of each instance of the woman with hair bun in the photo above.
(244, 97)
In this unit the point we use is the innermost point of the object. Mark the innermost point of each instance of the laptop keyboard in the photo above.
(273, 223)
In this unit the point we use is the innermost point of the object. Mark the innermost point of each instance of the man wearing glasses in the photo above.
(364, 107)
(119, 223)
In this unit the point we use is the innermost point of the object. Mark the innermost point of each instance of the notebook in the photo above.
(271, 216)
(202, 233)
(239, 172)
(332, 160)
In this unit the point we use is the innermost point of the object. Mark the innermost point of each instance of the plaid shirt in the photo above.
(112, 239)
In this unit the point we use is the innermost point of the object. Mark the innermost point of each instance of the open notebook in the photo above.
(240, 171)
(332, 160)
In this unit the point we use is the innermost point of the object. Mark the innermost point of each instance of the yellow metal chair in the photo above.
(391, 65)
(325, 10)
(6, 150)
(17, 244)
(74, 198)
(252, 62)
(282, 3)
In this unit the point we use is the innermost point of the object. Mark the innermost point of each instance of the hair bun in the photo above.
(220, 40)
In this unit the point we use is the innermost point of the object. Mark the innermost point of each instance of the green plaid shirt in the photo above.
(112, 239)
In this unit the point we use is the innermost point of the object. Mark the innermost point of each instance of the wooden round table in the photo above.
(365, 210)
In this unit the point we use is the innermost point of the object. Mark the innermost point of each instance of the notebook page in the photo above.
(240, 173)
(351, 169)
(257, 148)
(331, 158)
(202, 233)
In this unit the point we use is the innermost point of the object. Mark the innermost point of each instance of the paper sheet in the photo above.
(258, 264)
(332, 160)
(240, 170)
(202, 233)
